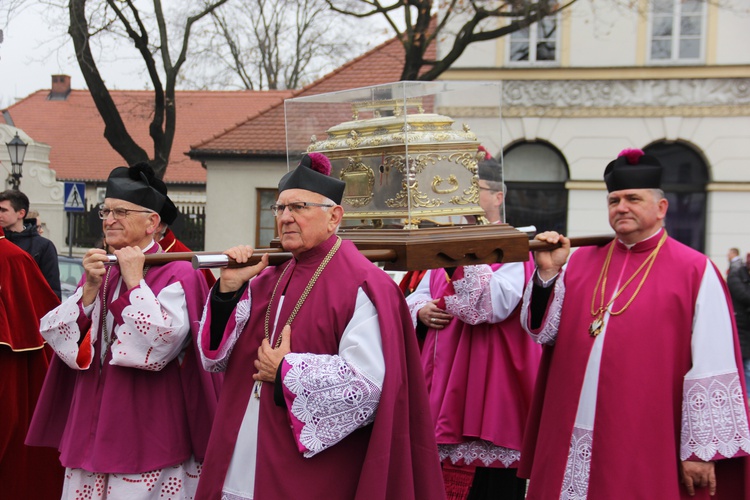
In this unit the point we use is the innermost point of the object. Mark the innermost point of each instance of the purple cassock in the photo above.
(614, 413)
(480, 369)
(151, 409)
(367, 437)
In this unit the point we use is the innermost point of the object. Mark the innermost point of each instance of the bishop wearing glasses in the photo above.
(126, 400)
(323, 393)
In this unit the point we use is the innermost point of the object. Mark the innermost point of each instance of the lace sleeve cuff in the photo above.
(547, 332)
(327, 399)
(63, 328)
(472, 302)
(216, 360)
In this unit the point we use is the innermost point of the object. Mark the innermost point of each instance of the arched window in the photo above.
(535, 174)
(684, 182)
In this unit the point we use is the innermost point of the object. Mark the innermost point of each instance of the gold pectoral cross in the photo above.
(596, 326)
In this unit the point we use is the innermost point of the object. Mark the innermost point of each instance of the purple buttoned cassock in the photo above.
(115, 419)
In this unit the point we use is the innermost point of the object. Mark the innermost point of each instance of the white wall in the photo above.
(733, 35)
(605, 34)
(231, 199)
(38, 183)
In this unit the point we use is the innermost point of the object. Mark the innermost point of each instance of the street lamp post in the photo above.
(17, 152)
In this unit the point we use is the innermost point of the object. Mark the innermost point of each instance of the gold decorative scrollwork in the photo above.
(437, 180)
(470, 196)
(420, 162)
(360, 181)
(354, 139)
(412, 193)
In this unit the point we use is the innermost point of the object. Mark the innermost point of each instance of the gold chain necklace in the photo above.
(598, 324)
(105, 334)
(303, 297)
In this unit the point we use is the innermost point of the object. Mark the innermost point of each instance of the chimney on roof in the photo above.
(60, 88)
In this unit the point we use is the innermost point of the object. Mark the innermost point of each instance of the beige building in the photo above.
(672, 78)
(668, 76)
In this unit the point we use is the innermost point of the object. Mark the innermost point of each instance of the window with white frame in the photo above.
(677, 30)
(536, 43)
(265, 222)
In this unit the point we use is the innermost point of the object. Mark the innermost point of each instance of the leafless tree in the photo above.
(456, 23)
(124, 18)
(272, 44)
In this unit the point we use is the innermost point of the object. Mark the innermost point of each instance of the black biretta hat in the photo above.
(168, 212)
(489, 169)
(313, 174)
(136, 184)
(633, 169)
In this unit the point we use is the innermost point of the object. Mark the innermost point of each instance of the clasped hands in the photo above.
(434, 317)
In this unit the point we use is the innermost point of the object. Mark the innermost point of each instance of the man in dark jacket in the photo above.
(14, 205)
(738, 281)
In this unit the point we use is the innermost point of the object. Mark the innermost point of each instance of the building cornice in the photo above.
(712, 97)
(599, 73)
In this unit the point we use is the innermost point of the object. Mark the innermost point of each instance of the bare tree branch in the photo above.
(129, 19)
(423, 22)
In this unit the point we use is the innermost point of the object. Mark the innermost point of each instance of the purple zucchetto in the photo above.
(633, 169)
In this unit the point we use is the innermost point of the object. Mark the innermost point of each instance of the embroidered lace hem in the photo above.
(714, 418)
(479, 453)
(576, 479)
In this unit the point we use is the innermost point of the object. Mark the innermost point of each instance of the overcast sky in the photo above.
(30, 54)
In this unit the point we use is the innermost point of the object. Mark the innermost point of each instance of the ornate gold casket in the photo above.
(408, 152)
(403, 159)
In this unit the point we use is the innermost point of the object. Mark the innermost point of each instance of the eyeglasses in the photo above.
(487, 189)
(296, 208)
(119, 213)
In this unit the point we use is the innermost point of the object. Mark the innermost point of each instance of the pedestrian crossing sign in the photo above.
(75, 197)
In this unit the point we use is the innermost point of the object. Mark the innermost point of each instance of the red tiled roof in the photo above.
(265, 134)
(74, 129)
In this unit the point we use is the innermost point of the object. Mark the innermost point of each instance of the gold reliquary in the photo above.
(409, 154)
(407, 162)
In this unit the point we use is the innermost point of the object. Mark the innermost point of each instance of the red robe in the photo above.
(25, 296)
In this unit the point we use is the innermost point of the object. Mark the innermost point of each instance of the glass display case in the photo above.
(408, 151)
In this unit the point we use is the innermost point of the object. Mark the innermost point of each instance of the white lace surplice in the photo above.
(153, 331)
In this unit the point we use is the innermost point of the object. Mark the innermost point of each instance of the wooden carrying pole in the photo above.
(207, 260)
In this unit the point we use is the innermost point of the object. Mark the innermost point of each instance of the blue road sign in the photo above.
(75, 197)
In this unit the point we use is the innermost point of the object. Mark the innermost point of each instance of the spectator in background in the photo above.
(33, 218)
(738, 282)
(14, 206)
(733, 256)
